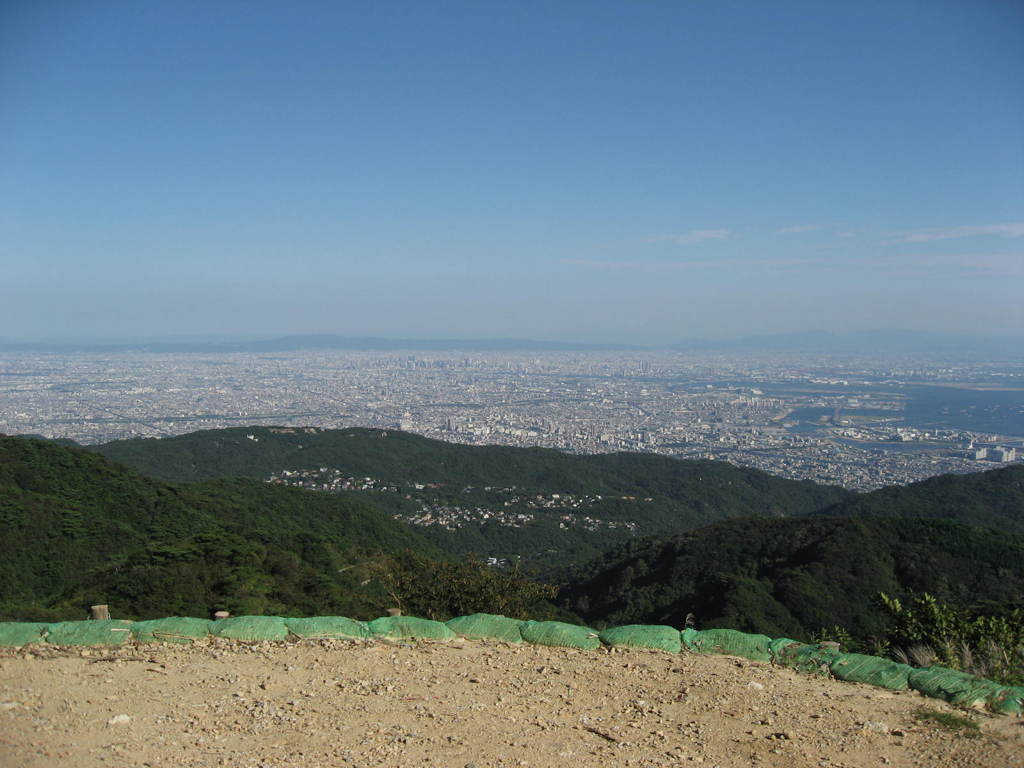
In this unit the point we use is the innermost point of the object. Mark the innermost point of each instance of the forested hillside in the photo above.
(993, 499)
(76, 528)
(548, 508)
(737, 548)
(715, 489)
(794, 577)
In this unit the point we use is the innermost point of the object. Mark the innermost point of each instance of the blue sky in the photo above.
(598, 171)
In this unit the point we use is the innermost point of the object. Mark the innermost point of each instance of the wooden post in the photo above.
(99, 612)
(221, 615)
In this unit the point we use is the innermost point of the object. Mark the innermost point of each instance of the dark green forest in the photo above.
(710, 490)
(76, 529)
(993, 499)
(724, 546)
(660, 495)
(791, 578)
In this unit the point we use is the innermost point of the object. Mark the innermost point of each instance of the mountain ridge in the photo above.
(886, 342)
(627, 494)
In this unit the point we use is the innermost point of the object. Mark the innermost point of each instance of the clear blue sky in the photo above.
(635, 171)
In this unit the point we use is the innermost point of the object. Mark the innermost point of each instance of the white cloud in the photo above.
(1013, 229)
(691, 237)
(697, 264)
(989, 263)
(797, 229)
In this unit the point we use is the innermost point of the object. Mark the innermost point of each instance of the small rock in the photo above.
(755, 685)
(119, 720)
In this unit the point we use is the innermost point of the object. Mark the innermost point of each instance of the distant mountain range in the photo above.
(878, 343)
(318, 342)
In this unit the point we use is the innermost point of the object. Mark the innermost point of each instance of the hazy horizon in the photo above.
(600, 172)
(881, 342)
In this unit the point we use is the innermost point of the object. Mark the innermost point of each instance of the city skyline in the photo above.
(858, 421)
(602, 172)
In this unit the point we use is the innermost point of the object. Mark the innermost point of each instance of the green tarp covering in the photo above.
(250, 628)
(18, 633)
(858, 668)
(560, 634)
(961, 688)
(487, 626)
(1008, 701)
(733, 643)
(174, 629)
(398, 627)
(327, 627)
(99, 632)
(775, 646)
(688, 637)
(807, 658)
(658, 636)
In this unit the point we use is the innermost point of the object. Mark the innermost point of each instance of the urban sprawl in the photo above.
(842, 422)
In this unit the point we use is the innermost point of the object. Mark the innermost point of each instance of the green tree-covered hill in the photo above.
(77, 528)
(641, 494)
(993, 499)
(711, 487)
(792, 577)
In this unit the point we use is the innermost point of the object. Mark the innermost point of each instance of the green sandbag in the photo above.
(328, 628)
(658, 636)
(487, 626)
(734, 643)
(174, 629)
(399, 627)
(859, 668)
(807, 658)
(1008, 701)
(98, 632)
(250, 628)
(18, 633)
(688, 637)
(560, 634)
(956, 687)
(775, 646)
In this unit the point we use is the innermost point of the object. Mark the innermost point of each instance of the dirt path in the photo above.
(333, 703)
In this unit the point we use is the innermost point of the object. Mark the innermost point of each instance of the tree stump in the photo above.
(394, 611)
(99, 611)
(221, 615)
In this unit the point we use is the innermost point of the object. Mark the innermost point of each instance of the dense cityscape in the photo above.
(858, 423)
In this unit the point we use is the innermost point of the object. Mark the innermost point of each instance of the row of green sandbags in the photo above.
(938, 682)
(255, 628)
(951, 685)
(179, 629)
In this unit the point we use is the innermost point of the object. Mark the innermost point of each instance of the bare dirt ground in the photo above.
(463, 704)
